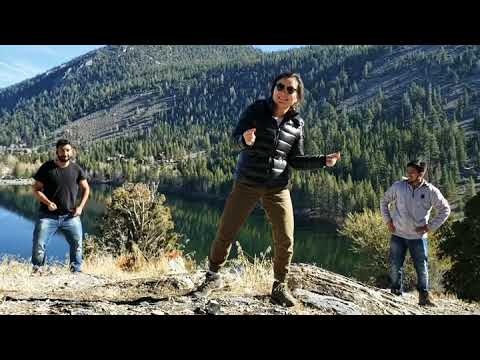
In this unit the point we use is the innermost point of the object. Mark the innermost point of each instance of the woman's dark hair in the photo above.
(62, 142)
(300, 88)
(420, 165)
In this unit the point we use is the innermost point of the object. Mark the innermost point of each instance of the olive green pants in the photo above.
(240, 203)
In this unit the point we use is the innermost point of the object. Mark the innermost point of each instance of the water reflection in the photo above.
(197, 220)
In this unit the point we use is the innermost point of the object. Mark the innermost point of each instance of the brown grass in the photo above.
(244, 274)
(255, 275)
(124, 267)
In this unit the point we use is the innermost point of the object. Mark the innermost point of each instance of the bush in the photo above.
(371, 242)
(461, 245)
(137, 222)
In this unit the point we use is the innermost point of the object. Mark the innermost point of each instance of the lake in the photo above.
(316, 243)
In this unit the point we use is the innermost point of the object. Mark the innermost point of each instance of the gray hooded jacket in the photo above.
(409, 208)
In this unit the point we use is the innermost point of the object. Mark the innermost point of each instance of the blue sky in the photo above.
(20, 62)
(269, 48)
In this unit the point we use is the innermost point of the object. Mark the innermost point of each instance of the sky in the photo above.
(20, 62)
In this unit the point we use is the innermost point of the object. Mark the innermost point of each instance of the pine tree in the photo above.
(471, 190)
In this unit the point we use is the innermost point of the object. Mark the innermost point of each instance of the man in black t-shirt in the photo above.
(56, 187)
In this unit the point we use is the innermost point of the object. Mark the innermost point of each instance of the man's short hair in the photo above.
(63, 142)
(420, 165)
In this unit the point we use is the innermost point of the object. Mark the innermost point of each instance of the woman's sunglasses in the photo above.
(281, 87)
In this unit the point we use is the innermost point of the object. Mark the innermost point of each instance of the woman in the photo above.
(270, 136)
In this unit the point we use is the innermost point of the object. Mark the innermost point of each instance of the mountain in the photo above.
(140, 112)
(103, 78)
(345, 76)
(99, 79)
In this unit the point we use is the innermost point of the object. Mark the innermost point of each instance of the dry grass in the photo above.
(124, 267)
(13, 267)
(245, 275)
(254, 274)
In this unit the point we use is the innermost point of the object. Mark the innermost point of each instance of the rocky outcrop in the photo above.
(319, 292)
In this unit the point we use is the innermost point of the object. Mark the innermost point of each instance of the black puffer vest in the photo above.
(276, 148)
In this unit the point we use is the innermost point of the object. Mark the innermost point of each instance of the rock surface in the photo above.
(319, 292)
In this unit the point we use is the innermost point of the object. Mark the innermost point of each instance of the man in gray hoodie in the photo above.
(406, 208)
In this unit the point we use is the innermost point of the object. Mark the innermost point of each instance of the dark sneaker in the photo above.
(281, 295)
(213, 281)
(424, 299)
(397, 292)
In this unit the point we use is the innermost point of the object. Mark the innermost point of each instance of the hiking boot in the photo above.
(397, 292)
(213, 281)
(39, 270)
(75, 270)
(43, 270)
(281, 295)
(424, 299)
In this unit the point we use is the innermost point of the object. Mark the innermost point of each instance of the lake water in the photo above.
(316, 243)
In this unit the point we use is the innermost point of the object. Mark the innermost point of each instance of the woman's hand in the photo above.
(249, 136)
(332, 159)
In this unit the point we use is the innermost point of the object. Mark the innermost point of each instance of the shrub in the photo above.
(461, 245)
(137, 222)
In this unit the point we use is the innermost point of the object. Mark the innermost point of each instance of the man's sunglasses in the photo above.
(281, 87)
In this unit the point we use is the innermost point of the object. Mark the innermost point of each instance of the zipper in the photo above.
(279, 129)
(413, 192)
(277, 136)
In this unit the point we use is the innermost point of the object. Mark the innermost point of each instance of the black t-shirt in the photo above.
(60, 185)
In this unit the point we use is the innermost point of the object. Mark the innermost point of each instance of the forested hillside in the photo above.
(165, 113)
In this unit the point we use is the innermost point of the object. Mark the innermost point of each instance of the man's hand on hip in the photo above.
(422, 229)
(391, 227)
(77, 211)
(52, 206)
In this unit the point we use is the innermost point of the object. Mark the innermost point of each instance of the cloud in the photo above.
(13, 51)
(28, 69)
(46, 49)
(21, 68)
(20, 62)
(272, 48)
(7, 78)
(13, 72)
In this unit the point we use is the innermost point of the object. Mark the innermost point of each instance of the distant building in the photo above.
(16, 149)
(4, 171)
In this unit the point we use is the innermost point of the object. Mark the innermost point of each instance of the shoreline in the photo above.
(6, 182)
(307, 215)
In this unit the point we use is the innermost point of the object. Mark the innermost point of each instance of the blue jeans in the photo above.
(419, 253)
(46, 226)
